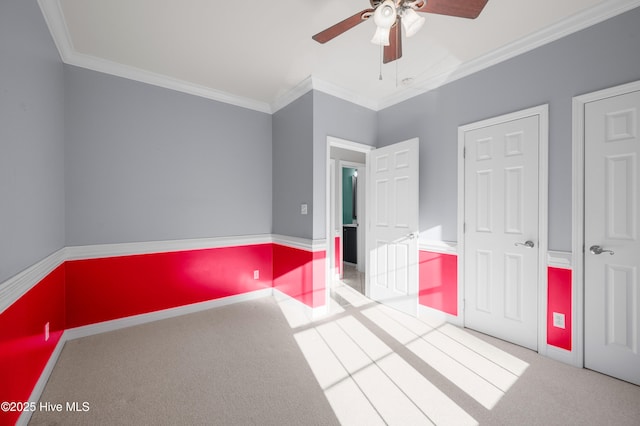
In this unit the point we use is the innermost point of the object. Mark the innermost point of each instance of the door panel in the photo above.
(394, 226)
(500, 214)
(612, 212)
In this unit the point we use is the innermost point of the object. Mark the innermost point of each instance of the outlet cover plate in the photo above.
(558, 320)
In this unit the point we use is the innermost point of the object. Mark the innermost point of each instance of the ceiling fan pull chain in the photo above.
(397, 73)
(380, 77)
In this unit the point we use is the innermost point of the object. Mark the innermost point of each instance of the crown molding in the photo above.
(57, 26)
(344, 94)
(560, 29)
(314, 83)
(54, 17)
(292, 94)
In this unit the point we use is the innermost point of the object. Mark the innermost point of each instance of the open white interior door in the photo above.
(393, 242)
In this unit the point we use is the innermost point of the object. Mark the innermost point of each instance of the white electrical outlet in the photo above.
(558, 320)
(46, 332)
(256, 274)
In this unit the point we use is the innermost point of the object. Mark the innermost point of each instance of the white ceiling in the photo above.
(260, 54)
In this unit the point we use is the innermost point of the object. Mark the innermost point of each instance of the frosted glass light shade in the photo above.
(381, 36)
(412, 22)
(385, 14)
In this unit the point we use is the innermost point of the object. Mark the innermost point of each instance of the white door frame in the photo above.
(542, 112)
(352, 146)
(577, 245)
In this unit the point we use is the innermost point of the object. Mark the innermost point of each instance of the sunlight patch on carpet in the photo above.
(482, 371)
(366, 382)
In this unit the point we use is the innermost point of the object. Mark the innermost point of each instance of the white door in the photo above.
(393, 242)
(612, 248)
(501, 226)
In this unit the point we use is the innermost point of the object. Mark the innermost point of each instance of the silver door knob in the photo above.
(411, 236)
(528, 244)
(599, 250)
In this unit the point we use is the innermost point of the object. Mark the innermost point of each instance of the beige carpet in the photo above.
(237, 364)
(244, 365)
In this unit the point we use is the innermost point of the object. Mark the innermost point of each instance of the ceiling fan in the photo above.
(391, 15)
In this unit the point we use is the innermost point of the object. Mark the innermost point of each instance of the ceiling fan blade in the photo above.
(394, 50)
(342, 26)
(460, 8)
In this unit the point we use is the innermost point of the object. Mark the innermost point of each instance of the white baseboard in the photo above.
(562, 355)
(306, 310)
(439, 316)
(103, 327)
(36, 393)
(106, 326)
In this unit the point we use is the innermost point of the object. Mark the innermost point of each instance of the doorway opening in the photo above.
(350, 199)
(346, 214)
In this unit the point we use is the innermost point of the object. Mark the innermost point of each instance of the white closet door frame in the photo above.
(577, 284)
(543, 195)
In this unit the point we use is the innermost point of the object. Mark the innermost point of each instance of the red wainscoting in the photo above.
(24, 353)
(559, 300)
(337, 248)
(438, 274)
(300, 274)
(89, 291)
(116, 287)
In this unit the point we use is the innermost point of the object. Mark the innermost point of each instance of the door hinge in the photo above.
(464, 152)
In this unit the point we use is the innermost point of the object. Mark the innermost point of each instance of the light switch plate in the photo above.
(303, 208)
(558, 320)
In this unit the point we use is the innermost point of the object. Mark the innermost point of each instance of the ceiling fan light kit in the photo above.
(381, 36)
(412, 22)
(389, 14)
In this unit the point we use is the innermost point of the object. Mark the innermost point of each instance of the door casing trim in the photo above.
(542, 111)
(577, 243)
(333, 141)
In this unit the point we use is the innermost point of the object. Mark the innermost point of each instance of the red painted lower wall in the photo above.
(23, 350)
(83, 292)
(300, 274)
(116, 287)
(559, 300)
(337, 249)
(438, 275)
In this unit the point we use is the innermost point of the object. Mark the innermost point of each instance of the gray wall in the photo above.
(341, 119)
(31, 139)
(300, 133)
(293, 168)
(601, 56)
(145, 163)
